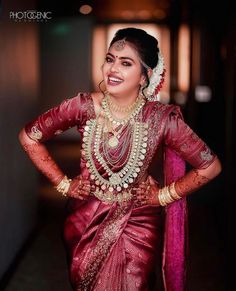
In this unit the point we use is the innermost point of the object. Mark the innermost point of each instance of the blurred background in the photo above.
(49, 52)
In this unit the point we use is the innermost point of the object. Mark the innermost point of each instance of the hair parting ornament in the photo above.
(152, 92)
(120, 44)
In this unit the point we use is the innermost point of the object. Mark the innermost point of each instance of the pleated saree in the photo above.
(122, 246)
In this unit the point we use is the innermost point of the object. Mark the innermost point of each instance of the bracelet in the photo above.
(167, 195)
(64, 186)
(173, 192)
(164, 196)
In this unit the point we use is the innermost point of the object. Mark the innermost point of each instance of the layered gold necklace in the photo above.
(102, 146)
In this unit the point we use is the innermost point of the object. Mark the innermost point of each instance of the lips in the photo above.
(113, 80)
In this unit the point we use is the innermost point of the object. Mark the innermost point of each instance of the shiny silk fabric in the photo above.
(119, 247)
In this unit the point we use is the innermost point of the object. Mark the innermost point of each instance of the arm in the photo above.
(196, 178)
(41, 158)
(44, 127)
(205, 164)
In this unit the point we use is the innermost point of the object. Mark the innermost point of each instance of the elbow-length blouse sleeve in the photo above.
(185, 142)
(69, 113)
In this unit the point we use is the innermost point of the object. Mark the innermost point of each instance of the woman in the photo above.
(115, 231)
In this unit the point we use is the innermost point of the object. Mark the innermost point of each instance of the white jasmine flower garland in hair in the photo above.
(152, 92)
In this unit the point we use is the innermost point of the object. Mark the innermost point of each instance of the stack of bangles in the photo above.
(64, 186)
(168, 194)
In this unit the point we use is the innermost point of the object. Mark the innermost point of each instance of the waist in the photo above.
(122, 196)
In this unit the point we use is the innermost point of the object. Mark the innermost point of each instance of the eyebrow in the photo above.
(121, 58)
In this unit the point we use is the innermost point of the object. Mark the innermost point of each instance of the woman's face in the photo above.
(122, 71)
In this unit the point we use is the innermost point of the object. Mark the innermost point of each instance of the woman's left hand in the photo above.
(147, 192)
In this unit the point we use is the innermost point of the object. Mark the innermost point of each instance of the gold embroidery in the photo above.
(35, 133)
(206, 155)
(108, 235)
(59, 131)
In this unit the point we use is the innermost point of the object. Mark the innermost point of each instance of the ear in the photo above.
(143, 80)
(149, 72)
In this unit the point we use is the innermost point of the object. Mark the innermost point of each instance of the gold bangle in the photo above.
(161, 197)
(164, 196)
(173, 192)
(167, 195)
(64, 185)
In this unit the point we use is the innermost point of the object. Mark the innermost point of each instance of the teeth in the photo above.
(114, 79)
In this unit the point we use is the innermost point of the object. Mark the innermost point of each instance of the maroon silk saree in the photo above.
(118, 247)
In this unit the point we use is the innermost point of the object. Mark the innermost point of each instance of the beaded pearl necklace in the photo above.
(133, 155)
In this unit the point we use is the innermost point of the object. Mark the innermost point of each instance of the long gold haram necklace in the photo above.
(116, 180)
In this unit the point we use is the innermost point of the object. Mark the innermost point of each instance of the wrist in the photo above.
(167, 195)
(56, 180)
(63, 186)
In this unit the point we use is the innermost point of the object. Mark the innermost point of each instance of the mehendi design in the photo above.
(43, 161)
(191, 182)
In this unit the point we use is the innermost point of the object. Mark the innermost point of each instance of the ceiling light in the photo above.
(85, 9)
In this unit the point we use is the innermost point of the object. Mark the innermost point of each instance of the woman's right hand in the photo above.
(79, 188)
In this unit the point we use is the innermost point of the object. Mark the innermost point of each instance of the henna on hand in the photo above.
(191, 182)
(41, 158)
(79, 188)
(147, 192)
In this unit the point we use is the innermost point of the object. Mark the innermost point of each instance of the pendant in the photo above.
(113, 141)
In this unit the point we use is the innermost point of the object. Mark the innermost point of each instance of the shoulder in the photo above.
(90, 102)
(163, 110)
(97, 100)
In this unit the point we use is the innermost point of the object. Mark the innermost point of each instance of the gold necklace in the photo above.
(118, 108)
(114, 139)
(130, 160)
(115, 121)
(126, 175)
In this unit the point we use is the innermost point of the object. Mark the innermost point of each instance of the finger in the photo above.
(84, 193)
(85, 189)
(152, 181)
(143, 186)
(85, 182)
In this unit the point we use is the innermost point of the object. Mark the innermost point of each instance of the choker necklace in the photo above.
(115, 121)
(123, 109)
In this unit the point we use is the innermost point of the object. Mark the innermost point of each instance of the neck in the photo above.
(124, 100)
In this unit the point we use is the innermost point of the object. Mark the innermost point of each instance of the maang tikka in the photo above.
(120, 44)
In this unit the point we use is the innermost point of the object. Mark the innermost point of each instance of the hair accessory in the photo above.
(152, 92)
(119, 45)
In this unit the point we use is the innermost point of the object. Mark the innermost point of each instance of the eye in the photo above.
(126, 64)
(108, 59)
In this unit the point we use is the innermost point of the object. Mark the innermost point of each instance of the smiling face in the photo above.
(122, 71)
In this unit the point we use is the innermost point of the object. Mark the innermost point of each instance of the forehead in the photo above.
(126, 51)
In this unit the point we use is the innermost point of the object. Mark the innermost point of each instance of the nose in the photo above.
(114, 67)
